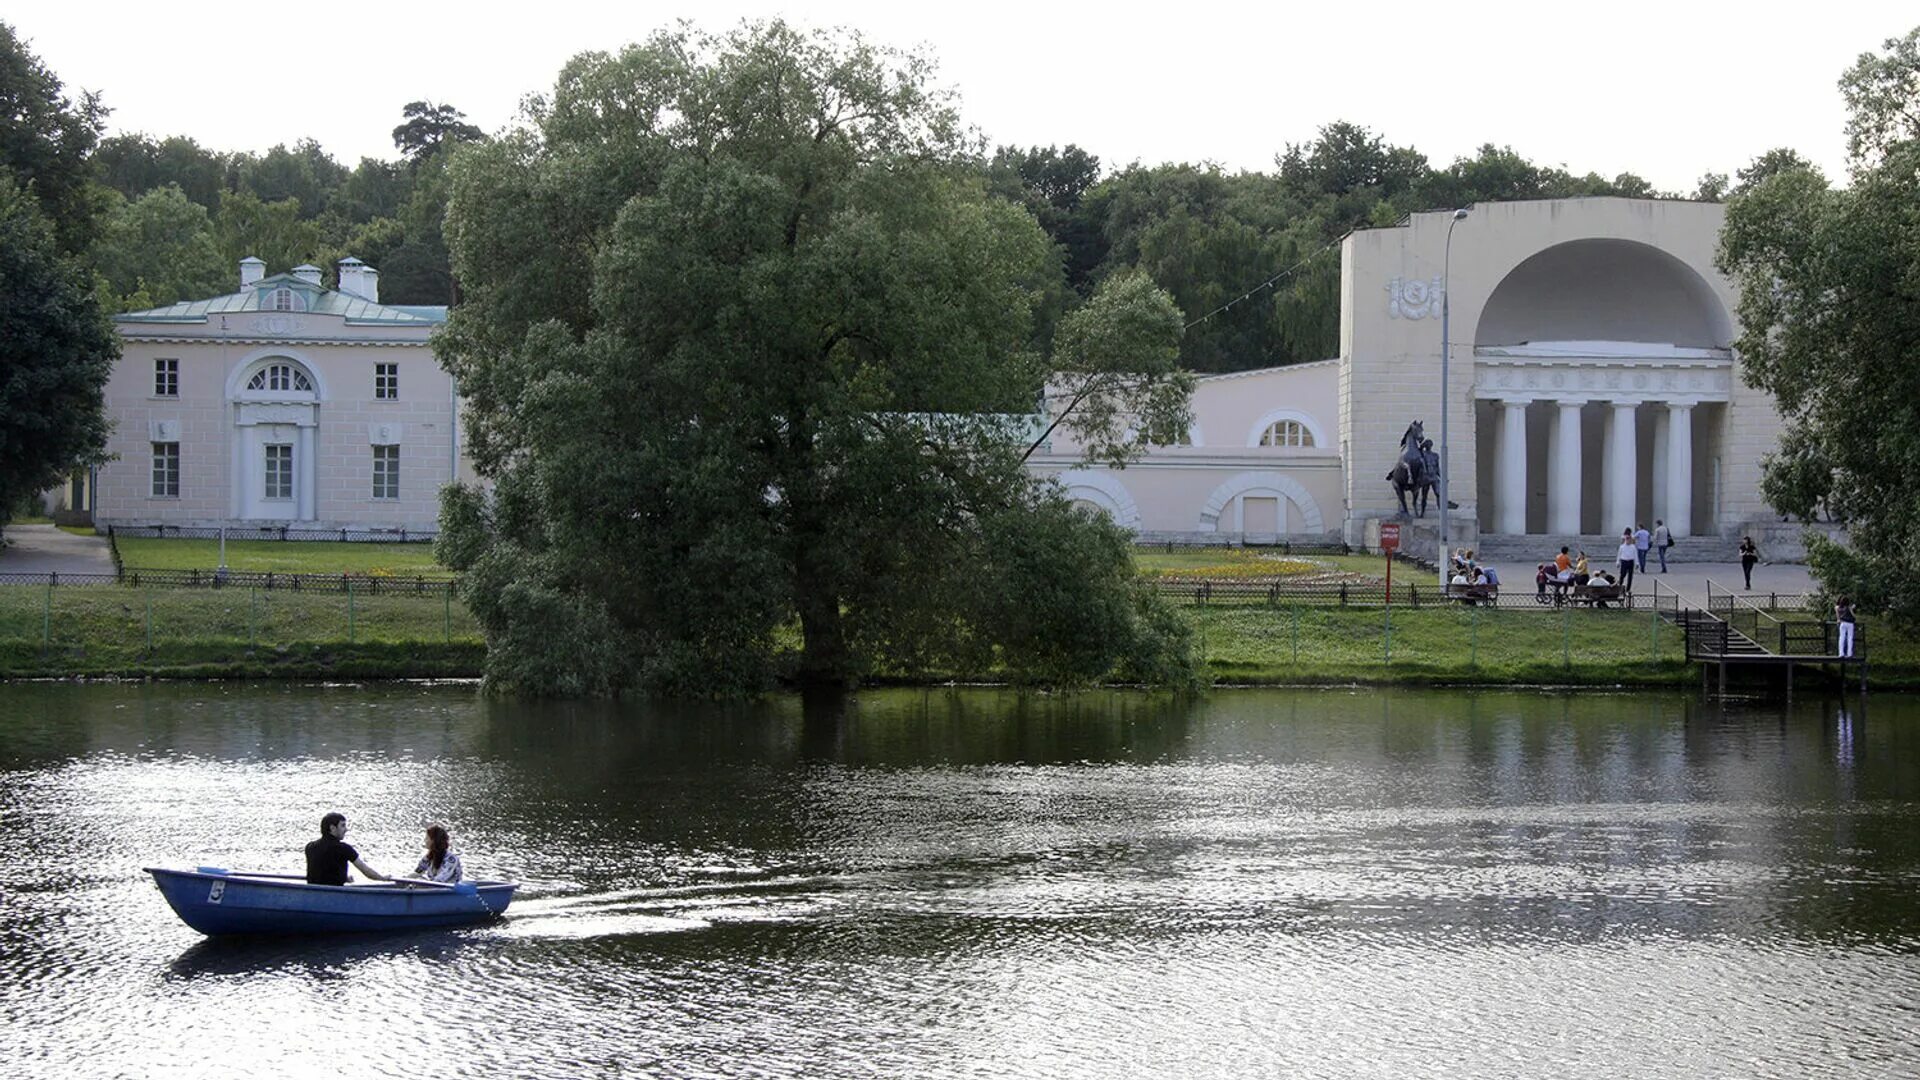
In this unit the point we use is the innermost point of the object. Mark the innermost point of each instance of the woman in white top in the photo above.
(440, 862)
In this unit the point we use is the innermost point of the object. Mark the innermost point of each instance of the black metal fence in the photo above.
(342, 536)
(361, 584)
(1283, 547)
(1423, 593)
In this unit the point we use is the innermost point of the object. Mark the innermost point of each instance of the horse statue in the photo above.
(1412, 472)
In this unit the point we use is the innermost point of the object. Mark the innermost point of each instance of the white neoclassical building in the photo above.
(284, 403)
(1592, 385)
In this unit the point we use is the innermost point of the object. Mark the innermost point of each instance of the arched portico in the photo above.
(274, 401)
(1591, 360)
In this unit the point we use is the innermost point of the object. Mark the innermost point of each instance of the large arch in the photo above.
(1261, 483)
(1604, 290)
(1102, 489)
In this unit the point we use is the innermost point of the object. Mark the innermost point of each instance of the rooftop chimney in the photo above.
(251, 270)
(359, 279)
(308, 273)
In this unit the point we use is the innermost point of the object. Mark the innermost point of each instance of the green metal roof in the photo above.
(320, 301)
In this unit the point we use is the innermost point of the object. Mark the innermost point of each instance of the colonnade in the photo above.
(1672, 472)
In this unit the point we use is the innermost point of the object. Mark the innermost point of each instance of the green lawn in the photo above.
(1227, 562)
(124, 630)
(114, 629)
(1309, 644)
(283, 556)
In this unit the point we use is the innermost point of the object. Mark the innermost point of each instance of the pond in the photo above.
(976, 883)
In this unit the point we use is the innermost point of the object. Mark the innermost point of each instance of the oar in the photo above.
(403, 882)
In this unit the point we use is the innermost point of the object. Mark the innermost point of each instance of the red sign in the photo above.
(1389, 536)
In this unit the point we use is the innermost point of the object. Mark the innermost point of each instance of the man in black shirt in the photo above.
(327, 857)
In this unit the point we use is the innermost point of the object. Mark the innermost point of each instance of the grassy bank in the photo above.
(245, 633)
(283, 557)
(121, 630)
(1446, 645)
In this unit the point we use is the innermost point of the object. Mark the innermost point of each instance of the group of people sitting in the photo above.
(1570, 570)
(1464, 572)
(329, 856)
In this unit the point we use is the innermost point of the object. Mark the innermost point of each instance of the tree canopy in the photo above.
(746, 351)
(56, 351)
(1829, 284)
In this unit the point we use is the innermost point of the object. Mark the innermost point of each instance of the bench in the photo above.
(1598, 595)
(1474, 594)
(1557, 593)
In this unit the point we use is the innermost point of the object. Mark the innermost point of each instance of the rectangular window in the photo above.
(166, 378)
(386, 472)
(166, 470)
(386, 382)
(279, 471)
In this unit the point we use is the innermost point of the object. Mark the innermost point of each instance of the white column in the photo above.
(1510, 470)
(237, 469)
(1658, 474)
(1621, 459)
(1563, 496)
(305, 473)
(1679, 464)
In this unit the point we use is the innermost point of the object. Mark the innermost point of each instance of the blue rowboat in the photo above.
(215, 901)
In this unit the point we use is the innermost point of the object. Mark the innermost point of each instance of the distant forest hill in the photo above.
(183, 215)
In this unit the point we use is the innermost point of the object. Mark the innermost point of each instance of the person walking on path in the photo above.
(1662, 540)
(1748, 556)
(1629, 554)
(1843, 614)
(1641, 540)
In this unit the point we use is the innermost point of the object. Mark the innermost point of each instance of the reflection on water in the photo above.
(975, 883)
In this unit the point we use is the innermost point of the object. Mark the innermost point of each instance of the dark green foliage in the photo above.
(429, 127)
(45, 140)
(739, 338)
(1830, 319)
(56, 351)
(158, 249)
(136, 164)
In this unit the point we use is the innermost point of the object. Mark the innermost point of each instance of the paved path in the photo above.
(1687, 579)
(40, 549)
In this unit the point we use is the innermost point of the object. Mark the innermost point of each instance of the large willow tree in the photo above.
(1830, 325)
(742, 330)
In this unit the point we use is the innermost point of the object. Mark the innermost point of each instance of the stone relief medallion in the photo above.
(1414, 299)
(278, 325)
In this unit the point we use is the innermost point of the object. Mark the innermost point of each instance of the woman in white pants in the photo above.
(1843, 614)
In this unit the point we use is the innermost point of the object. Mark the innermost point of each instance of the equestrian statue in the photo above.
(1418, 469)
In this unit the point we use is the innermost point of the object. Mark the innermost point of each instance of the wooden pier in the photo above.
(1733, 632)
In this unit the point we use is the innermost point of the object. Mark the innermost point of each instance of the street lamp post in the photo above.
(1446, 354)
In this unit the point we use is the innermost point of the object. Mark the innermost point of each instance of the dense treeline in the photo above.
(178, 215)
(1208, 236)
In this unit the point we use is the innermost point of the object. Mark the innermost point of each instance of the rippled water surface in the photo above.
(976, 884)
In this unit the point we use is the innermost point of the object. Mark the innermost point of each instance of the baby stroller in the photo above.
(1548, 586)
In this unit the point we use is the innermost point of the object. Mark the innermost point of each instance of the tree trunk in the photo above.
(816, 596)
(823, 653)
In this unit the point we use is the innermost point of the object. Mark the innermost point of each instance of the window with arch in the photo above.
(1286, 433)
(280, 377)
(285, 300)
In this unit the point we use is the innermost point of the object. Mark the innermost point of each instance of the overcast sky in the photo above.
(1669, 91)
